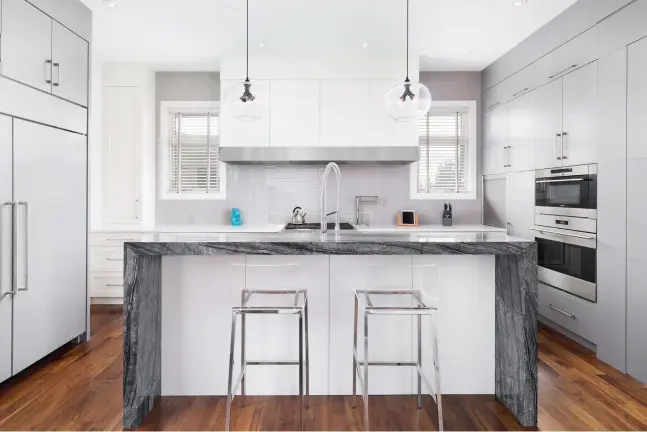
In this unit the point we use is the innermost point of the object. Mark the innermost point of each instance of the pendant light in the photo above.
(408, 101)
(247, 106)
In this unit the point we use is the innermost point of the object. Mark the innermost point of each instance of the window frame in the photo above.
(166, 108)
(471, 170)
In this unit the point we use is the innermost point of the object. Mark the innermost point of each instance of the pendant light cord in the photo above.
(407, 40)
(247, 63)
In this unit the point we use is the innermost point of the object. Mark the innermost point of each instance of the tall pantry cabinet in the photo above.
(43, 180)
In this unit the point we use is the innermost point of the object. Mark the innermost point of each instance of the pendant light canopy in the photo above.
(407, 101)
(247, 106)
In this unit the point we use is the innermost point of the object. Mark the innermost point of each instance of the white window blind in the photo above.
(443, 141)
(194, 153)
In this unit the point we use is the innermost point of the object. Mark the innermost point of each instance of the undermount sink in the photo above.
(317, 226)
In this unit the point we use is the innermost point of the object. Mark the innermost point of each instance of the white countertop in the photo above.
(428, 229)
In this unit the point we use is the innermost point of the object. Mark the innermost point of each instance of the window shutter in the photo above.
(194, 153)
(443, 152)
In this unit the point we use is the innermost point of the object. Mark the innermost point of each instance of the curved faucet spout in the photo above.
(332, 166)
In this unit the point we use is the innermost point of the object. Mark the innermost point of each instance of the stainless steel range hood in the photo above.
(319, 155)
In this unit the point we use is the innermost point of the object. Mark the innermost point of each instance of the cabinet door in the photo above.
(636, 264)
(50, 172)
(495, 201)
(6, 263)
(294, 113)
(495, 152)
(521, 151)
(580, 116)
(122, 143)
(345, 113)
(637, 101)
(236, 132)
(547, 114)
(521, 204)
(70, 67)
(26, 44)
(383, 129)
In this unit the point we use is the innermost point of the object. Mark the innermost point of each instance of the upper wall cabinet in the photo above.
(344, 113)
(637, 101)
(43, 54)
(622, 28)
(567, 58)
(294, 113)
(236, 132)
(70, 65)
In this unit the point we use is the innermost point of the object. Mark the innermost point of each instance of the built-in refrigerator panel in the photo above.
(6, 262)
(495, 201)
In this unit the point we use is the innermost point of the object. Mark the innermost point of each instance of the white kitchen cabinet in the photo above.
(623, 28)
(122, 155)
(236, 132)
(521, 204)
(70, 65)
(26, 44)
(50, 308)
(568, 311)
(637, 100)
(580, 111)
(518, 84)
(636, 265)
(345, 113)
(383, 129)
(495, 151)
(495, 201)
(521, 126)
(492, 97)
(294, 113)
(547, 114)
(565, 59)
(6, 262)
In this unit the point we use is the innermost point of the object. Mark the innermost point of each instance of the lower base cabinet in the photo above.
(572, 313)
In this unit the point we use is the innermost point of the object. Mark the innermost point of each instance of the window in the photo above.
(447, 165)
(191, 167)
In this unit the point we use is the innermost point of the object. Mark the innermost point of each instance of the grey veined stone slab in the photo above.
(516, 301)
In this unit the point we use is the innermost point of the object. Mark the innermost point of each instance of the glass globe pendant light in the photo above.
(408, 101)
(247, 106)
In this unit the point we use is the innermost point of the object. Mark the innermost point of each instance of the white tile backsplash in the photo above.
(267, 194)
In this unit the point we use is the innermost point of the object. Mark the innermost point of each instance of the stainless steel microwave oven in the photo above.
(567, 191)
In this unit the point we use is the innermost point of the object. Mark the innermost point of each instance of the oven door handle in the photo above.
(560, 180)
(562, 234)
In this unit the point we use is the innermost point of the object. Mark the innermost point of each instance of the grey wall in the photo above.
(268, 194)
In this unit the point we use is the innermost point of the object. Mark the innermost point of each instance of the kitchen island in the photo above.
(176, 314)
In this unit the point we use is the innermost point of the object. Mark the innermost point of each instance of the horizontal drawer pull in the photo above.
(562, 234)
(556, 309)
(563, 71)
(121, 239)
(520, 91)
(115, 285)
(114, 259)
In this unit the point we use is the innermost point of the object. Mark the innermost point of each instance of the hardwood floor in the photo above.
(79, 388)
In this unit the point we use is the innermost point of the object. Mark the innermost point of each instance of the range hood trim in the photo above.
(392, 155)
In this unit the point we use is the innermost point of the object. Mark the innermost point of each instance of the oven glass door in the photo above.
(572, 260)
(566, 192)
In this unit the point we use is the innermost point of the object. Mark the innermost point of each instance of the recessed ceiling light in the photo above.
(261, 45)
(519, 2)
(365, 45)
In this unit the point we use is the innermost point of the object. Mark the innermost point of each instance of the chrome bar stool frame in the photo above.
(418, 309)
(299, 308)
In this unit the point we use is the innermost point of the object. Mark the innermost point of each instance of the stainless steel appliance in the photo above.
(566, 229)
(567, 191)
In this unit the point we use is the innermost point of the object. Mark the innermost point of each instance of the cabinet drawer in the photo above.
(106, 285)
(570, 312)
(117, 239)
(518, 84)
(567, 58)
(107, 259)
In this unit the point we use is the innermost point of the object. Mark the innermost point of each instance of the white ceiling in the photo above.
(193, 34)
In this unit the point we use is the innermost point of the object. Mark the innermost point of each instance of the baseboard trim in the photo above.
(107, 301)
(566, 332)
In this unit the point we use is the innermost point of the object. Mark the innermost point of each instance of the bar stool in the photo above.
(404, 299)
(274, 301)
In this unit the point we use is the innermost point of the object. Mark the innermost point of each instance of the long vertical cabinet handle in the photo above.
(48, 72)
(564, 145)
(558, 147)
(26, 205)
(57, 81)
(13, 251)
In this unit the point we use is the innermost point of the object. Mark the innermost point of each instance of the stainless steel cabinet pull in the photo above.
(26, 205)
(520, 92)
(494, 105)
(564, 146)
(114, 259)
(560, 180)
(561, 311)
(121, 239)
(13, 247)
(48, 71)
(563, 71)
(509, 156)
(562, 234)
(114, 286)
(57, 82)
(558, 147)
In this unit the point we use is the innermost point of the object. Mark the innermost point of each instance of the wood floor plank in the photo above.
(80, 388)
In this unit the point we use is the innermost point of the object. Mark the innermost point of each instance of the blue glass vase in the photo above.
(236, 217)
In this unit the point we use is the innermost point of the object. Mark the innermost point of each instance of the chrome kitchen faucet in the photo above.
(332, 166)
